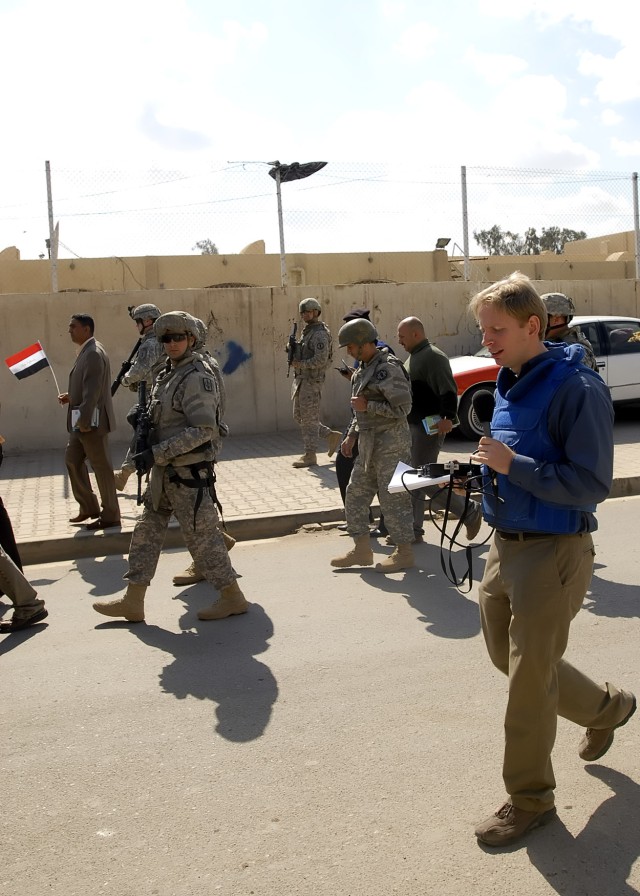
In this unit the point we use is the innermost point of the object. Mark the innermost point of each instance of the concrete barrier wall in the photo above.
(248, 329)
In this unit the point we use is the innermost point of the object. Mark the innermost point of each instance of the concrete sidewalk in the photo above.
(262, 495)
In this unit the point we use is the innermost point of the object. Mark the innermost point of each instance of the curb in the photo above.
(101, 544)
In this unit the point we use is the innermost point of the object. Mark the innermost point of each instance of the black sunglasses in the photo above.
(173, 337)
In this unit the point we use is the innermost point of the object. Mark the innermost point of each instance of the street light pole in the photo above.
(283, 174)
(283, 258)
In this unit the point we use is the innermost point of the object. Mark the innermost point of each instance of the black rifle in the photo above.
(291, 347)
(115, 385)
(142, 433)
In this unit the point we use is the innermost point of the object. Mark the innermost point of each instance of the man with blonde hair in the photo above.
(548, 462)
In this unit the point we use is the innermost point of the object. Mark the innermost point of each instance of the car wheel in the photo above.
(470, 426)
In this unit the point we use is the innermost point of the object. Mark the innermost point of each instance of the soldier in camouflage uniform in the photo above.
(184, 411)
(560, 311)
(310, 363)
(381, 400)
(192, 573)
(148, 355)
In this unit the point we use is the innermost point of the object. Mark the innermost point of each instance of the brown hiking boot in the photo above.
(120, 477)
(308, 459)
(190, 576)
(231, 602)
(335, 439)
(509, 824)
(130, 605)
(402, 558)
(596, 741)
(359, 555)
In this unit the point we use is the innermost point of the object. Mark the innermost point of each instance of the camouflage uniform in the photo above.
(149, 356)
(185, 411)
(314, 354)
(383, 440)
(575, 336)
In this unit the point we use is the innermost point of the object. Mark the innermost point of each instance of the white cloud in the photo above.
(494, 68)
(417, 42)
(626, 148)
(609, 118)
(618, 77)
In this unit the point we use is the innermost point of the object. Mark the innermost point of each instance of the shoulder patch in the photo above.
(381, 374)
(207, 383)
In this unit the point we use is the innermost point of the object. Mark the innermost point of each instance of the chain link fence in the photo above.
(345, 207)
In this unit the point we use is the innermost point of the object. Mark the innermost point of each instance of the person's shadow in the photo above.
(104, 574)
(613, 600)
(217, 662)
(445, 611)
(600, 858)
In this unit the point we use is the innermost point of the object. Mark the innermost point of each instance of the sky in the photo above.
(158, 117)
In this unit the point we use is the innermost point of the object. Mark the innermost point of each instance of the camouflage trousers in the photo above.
(205, 542)
(379, 453)
(306, 413)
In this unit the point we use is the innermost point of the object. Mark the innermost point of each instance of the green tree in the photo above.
(205, 247)
(496, 241)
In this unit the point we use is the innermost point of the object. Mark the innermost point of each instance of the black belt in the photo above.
(525, 536)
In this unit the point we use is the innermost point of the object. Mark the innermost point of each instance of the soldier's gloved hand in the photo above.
(144, 460)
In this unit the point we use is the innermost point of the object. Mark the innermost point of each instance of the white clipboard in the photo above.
(411, 481)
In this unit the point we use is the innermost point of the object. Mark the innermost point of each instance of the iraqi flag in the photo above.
(29, 360)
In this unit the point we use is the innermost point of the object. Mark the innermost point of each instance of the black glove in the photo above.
(144, 461)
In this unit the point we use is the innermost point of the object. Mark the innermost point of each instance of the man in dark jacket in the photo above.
(434, 393)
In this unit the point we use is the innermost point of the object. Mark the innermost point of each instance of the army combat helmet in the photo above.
(558, 303)
(176, 322)
(357, 332)
(310, 305)
(146, 312)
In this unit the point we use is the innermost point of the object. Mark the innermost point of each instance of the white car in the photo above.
(616, 345)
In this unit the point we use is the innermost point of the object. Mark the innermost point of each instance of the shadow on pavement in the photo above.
(600, 858)
(217, 662)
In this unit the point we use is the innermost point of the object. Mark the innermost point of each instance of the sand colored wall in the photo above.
(202, 271)
(247, 329)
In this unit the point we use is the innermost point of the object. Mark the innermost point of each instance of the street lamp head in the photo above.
(442, 242)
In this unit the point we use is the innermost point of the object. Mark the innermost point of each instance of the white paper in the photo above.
(411, 480)
(75, 416)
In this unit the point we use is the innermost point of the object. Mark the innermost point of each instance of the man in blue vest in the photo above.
(548, 462)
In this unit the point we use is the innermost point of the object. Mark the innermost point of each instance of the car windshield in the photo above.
(483, 353)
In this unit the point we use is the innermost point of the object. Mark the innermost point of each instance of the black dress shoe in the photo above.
(83, 516)
(101, 524)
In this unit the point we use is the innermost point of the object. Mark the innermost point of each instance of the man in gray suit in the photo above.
(90, 419)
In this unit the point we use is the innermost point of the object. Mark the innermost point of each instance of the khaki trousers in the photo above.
(530, 592)
(19, 591)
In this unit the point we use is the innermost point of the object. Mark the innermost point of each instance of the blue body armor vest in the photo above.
(520, 421)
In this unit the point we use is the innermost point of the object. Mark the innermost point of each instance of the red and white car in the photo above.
(617, 353)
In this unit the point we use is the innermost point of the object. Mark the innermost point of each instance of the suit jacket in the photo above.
(90, 387)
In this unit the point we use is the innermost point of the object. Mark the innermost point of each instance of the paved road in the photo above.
(341, 739)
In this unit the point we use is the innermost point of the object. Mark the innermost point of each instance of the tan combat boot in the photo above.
(359, 555)
(190, 576)
(308, 459)
(402, 558)
(335, 438)
(130, 605)
(120, 478)
(228, 540)
(231, 602)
